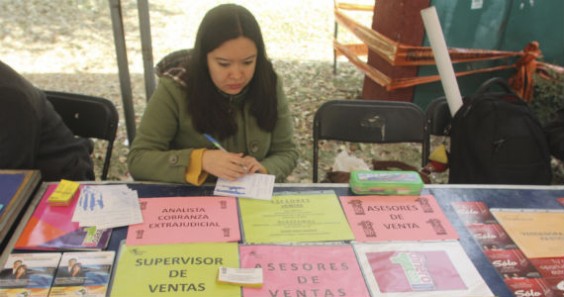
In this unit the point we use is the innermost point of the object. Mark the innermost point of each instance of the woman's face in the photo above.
(232, 64)
(20, 271)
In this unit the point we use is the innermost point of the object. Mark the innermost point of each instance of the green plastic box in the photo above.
(374, 182)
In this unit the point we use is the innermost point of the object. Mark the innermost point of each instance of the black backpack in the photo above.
(496, 139)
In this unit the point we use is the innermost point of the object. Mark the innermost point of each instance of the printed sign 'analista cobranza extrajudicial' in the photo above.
(186, 219)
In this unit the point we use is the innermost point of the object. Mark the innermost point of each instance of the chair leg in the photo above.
(106, 167)
(315, 161)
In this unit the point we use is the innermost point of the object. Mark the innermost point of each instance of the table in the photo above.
(533, 197)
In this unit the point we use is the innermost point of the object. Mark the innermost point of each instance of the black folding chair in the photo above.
(366, 121)
(437, 123)
(88, 116)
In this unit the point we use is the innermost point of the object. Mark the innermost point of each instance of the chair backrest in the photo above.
(366, 121)
(88, 116)
(437, 123)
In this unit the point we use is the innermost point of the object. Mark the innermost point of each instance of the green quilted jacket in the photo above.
(165, 138)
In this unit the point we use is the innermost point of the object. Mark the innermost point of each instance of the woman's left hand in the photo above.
(252, 165)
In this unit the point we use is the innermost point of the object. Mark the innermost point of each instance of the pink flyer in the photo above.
(385, 218)
(186, 219)
(308, 270)
(430, 269)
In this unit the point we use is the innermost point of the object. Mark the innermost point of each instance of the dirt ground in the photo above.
(68, 45)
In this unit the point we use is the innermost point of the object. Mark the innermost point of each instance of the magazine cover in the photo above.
(430, 269)
(16, 189)
(28, 275)
(51, 228)
(84, 274)
(539, 233)
(473, 212)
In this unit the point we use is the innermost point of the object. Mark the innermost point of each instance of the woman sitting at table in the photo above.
(228, 89)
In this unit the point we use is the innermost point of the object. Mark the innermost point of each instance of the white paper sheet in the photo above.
(256, 186)
(107, 206)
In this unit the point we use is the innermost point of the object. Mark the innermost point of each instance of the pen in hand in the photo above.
(217, 145)
(214, 142)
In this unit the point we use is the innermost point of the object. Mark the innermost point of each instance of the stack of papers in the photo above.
(107, 206)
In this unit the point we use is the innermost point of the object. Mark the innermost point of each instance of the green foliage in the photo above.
(548, 97)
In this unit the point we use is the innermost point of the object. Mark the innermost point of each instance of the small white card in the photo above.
(240, 276)
(256, 186)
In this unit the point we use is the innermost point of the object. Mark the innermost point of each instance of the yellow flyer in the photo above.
(188, 269)
(538, 233)
(295, 217)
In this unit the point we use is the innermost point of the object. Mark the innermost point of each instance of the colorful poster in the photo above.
(295, 217)
(83, 274)
(385, 218)
(511, 263)
(185, 269)
(29, 275)
(473, 212)
(538, 233)
(529, 287)
(186, 219)
(556, 284)
(51, 228)
(491, 237)
(309, 270)
(437, 269)
(549, 267)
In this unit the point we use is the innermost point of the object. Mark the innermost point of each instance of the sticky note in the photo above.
(63, 194)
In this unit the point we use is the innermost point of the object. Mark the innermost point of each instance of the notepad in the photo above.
(63, 193)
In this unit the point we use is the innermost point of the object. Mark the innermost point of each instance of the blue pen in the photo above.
(214, 142)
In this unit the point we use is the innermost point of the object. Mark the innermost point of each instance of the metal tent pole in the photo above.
(123, 68)
(146, 46)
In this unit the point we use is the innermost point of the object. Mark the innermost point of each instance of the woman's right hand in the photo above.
(229, 166)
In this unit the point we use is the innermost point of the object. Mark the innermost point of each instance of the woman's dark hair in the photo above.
(208, 107)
